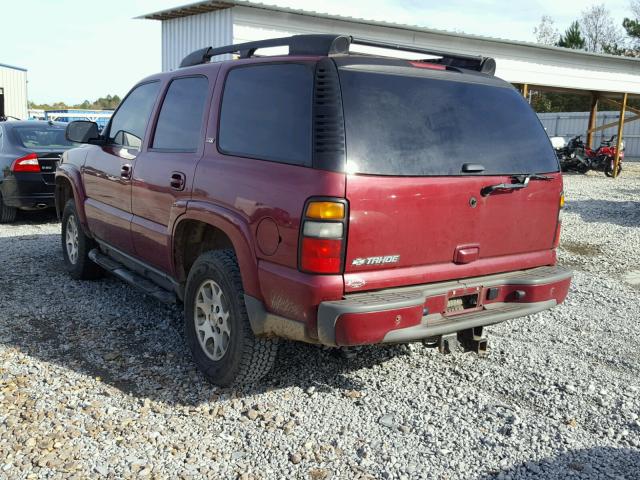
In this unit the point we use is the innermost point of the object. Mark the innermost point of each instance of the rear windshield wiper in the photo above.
(523, 182)
(531, 176)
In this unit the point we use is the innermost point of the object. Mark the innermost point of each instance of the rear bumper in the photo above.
(413, 313)
(27, 190)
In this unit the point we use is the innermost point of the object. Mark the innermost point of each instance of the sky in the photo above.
(77, 50)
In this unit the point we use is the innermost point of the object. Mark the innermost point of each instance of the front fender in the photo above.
(238, 231)
(71, 173)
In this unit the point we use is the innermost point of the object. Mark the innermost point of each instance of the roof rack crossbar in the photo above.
(298, 45)
(327, 44)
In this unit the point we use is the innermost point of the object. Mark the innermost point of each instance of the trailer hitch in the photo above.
(473, 340)
(470, 340)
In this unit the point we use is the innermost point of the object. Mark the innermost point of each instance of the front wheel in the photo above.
(582, 168)
(217, 327)
(76, 246)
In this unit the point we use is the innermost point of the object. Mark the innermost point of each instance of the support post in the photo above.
(525, 91)
(616, 162)
(593, 115)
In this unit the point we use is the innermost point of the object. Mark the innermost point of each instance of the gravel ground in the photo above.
(95, 379)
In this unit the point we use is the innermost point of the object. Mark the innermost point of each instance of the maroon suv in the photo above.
(321, 196)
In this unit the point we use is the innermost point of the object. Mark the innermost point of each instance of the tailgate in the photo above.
(423, 145)
(417, 221)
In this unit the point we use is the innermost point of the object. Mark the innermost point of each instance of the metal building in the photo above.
(609, 80)
(570, 124)
(215, 23)
(13, 92)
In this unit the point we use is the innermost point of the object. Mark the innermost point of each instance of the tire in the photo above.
(7, 214)
(582, 168)
(608, 171)
(76, 252)
(224, 349)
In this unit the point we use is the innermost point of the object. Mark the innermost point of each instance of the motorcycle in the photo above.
(575, 156)
(572, 155)
(606, 155)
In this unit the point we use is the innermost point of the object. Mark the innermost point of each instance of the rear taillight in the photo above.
(28, 163)
(556, 237)
(322, 237)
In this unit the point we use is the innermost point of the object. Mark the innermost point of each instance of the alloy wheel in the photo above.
(211, 318)
(71, 239)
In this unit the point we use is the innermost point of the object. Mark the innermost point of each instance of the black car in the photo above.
(29, 154)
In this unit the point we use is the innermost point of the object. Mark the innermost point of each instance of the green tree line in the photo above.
(595, 30)
(110, 102)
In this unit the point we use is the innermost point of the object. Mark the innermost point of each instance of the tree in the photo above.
(546, 32)
(632, 26)
(103, 103)
(599, 30)
(572, 38)
(559, 102)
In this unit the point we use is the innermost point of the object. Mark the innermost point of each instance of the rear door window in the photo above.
(130, 121)
(179, 126)
(266, 113)
(431, 124)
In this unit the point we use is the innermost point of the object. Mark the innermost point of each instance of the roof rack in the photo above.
(298, 45)
(326, 45)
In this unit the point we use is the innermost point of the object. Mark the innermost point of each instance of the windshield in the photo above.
(421, 125)
(43, 136)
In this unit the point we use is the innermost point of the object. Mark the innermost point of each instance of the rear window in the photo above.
(180, 122)
(42, 136)
(266, 113)
(422, 125)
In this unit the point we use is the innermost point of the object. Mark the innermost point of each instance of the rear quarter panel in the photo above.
(268, 197)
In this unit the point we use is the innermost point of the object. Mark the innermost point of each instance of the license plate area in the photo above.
(463, 301)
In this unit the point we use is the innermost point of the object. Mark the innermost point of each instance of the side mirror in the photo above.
(82, 131)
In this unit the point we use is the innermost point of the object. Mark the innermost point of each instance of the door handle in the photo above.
(125, 171)
(177, 180)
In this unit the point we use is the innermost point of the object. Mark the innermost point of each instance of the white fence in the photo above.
(576, 123)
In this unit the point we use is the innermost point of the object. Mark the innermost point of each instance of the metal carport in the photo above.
(215, 23)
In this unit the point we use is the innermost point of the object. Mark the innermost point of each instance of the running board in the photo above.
(132, 278)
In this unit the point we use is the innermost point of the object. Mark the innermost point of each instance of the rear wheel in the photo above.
(7, 214)
(217, 327)
(76, 246)
(608, 171)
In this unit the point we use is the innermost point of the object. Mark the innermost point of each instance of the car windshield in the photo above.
(43, 136)
(422, 124)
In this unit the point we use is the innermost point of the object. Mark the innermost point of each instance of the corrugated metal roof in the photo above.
(212, 5)
(4, 65)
